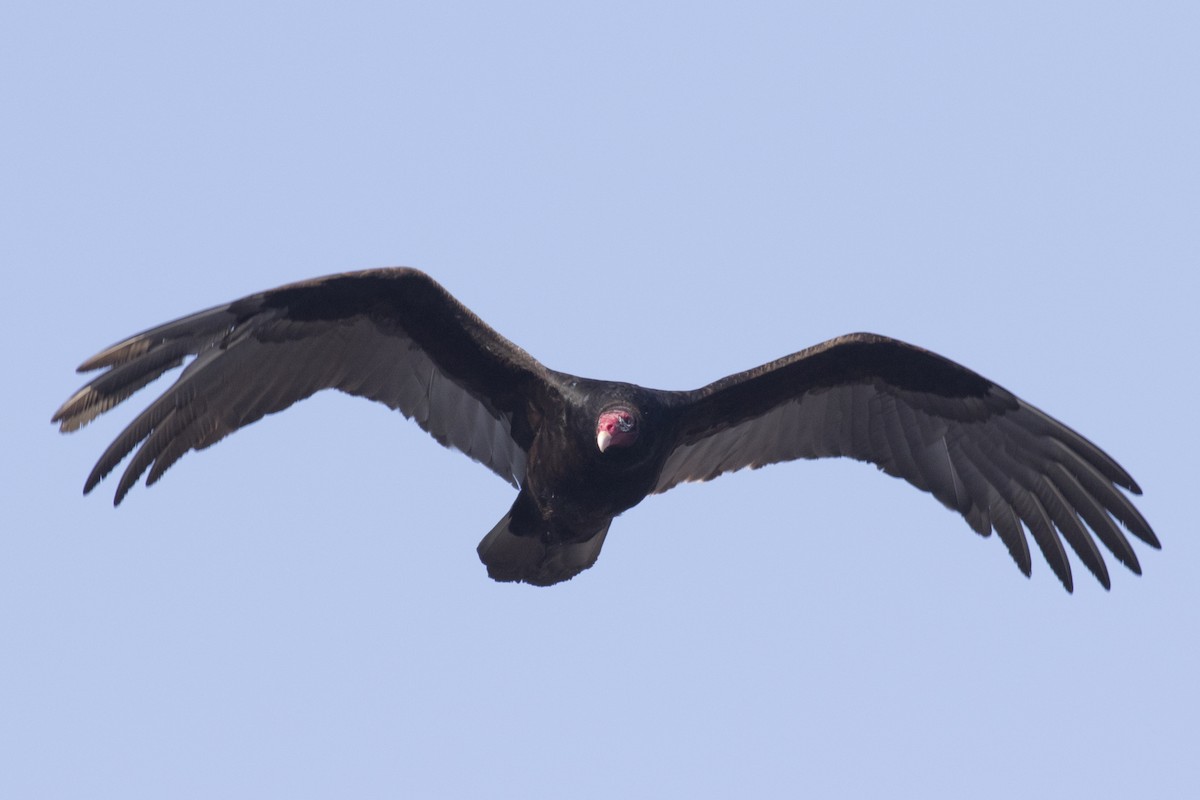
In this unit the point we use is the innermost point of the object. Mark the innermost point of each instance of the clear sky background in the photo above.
(660, 193)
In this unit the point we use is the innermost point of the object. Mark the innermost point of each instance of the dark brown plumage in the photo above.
(583, 451)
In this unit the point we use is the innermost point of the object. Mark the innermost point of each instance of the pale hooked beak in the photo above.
(602, 440)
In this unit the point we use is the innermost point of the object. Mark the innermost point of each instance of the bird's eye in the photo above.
(625, 423)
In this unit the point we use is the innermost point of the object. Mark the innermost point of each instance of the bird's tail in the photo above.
(510, 557)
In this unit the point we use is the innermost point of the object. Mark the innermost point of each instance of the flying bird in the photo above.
(582, 451)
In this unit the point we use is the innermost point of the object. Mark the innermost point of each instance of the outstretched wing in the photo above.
(980, 450)
(391, 335)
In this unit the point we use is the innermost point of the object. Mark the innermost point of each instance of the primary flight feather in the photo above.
(582, 451)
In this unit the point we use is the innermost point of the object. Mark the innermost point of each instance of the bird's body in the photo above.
(583, 451)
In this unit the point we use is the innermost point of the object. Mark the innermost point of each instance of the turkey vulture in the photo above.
(582, 451)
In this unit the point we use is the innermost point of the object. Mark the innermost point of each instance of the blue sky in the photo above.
(659, 193)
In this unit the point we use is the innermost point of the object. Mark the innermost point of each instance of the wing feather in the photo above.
(393, 336)
(998, 461)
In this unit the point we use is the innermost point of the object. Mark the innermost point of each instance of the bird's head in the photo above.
(616, 427)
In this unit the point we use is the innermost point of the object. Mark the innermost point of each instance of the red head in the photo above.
(616, 427)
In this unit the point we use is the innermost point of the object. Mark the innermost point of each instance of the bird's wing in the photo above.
(391, 335)
(978, 449)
